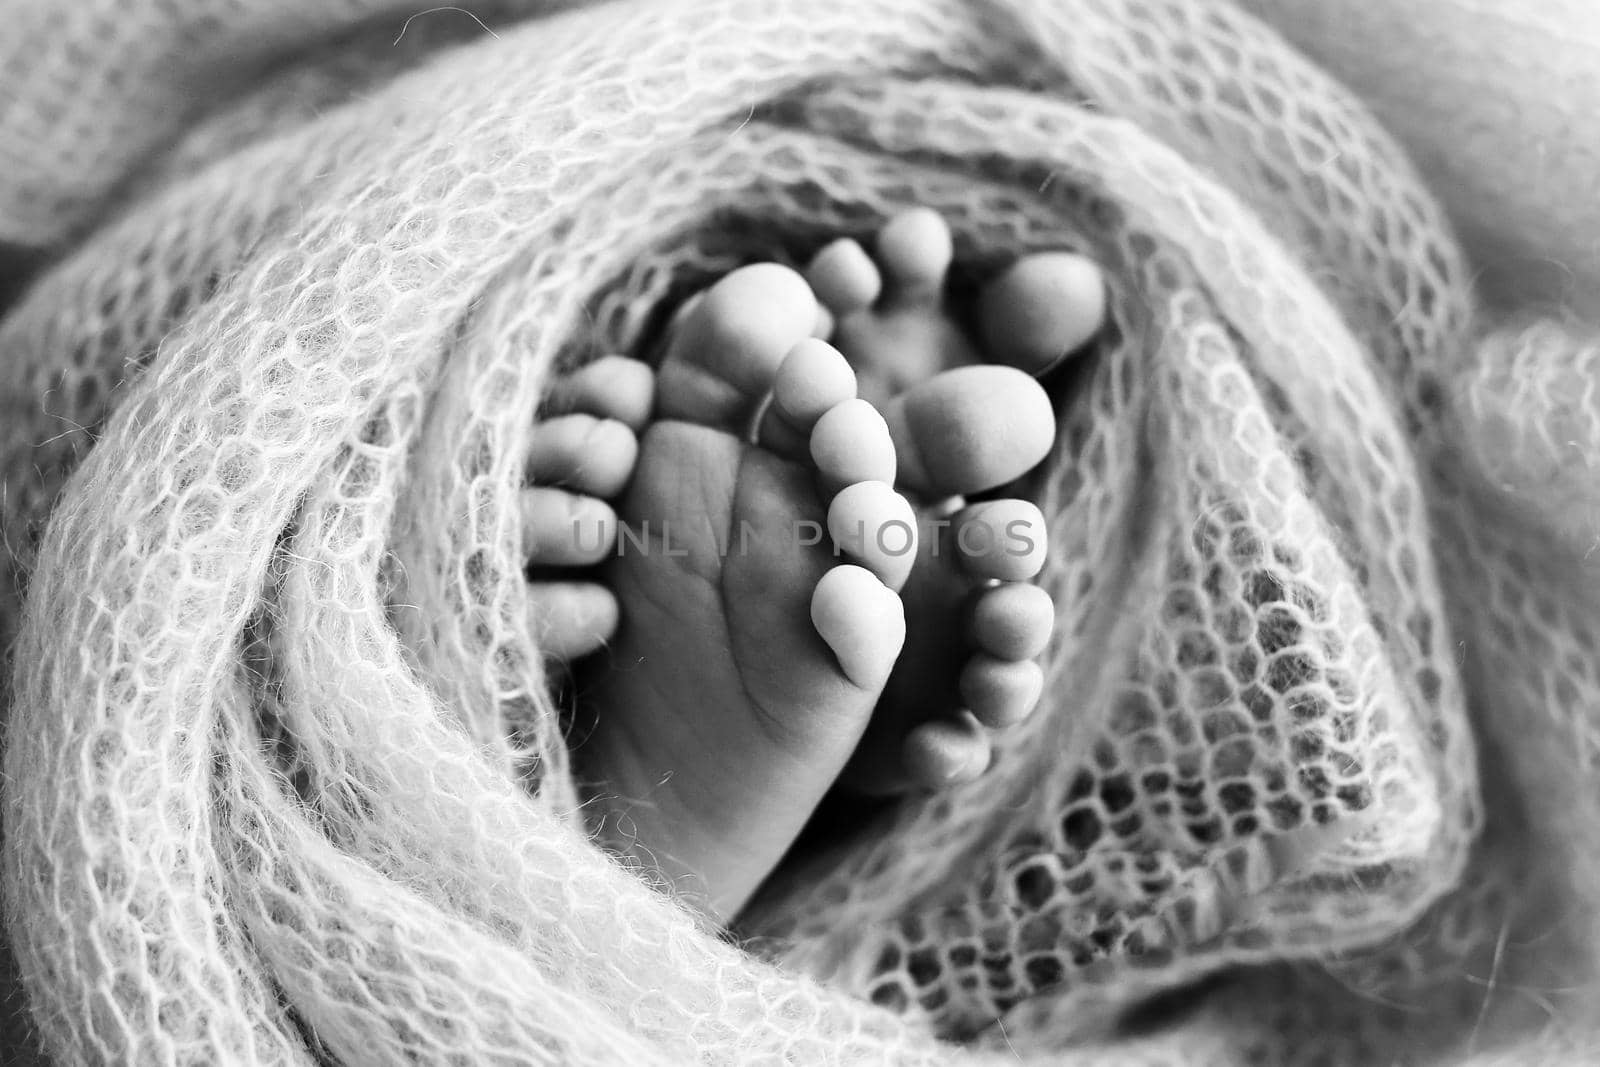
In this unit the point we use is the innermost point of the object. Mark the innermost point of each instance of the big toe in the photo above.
(1041, 309)
(725, 353)
(970, 429)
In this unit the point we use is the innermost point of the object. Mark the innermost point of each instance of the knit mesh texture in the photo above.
(284, 779)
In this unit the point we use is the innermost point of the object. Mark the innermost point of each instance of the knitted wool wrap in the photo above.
(284, 779)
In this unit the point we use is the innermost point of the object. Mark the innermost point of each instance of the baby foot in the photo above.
(582, 454)
(965, 420)
(749, 658)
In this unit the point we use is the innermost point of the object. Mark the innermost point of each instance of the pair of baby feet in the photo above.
(781, 621)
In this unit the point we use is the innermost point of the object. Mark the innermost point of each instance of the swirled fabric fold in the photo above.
(284, 780)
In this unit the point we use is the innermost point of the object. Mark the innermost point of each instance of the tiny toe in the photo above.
(583, 453)
(723, 356)
(825, 324)
(998, 692)
(970, 429)
(573, 618)
(1013, 621)
(875, 526)
(612, 387)
(862, 621)
(915, 250)
(945, 752)
(844, 278)
(1041, 309)
(562, 529)
(850, 443)
(1000, 539)
(812, 379)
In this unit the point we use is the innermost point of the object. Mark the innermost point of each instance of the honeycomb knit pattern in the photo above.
(1314, 779)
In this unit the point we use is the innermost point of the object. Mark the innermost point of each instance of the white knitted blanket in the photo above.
(1314, 780)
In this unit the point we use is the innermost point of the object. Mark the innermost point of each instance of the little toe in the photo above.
(877, 527)
(915, 250)
(583, 453)
(1012, 621)
(724, 355)
(945, 752)
(1041, 309)
(844, 278)
(970, 429)
(573, 619)
(612, 387)
(850, 443)
(999, 692)
(862, 621)
(813, 378)
(562, 529)
(1001, 540)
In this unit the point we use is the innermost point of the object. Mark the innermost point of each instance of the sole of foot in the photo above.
(749, 658)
